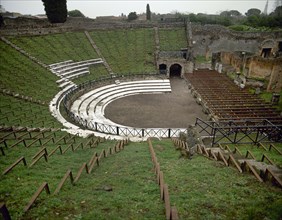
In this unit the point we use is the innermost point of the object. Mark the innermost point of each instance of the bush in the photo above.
(132, 16)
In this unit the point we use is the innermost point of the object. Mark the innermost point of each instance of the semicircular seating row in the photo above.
(68, 70)
(91, 105)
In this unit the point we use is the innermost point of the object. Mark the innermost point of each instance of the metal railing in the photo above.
(240, 131)
(70, 96)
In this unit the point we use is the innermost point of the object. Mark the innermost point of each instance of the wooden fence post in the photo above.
(36, 194)
(68, 174)
(84, 165)
(162, 184)
(167, 202)
(174, 213)
(5, 212)
(15, 164)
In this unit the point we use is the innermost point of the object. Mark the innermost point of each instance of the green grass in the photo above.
(204, 189)
(201, 59)
(246, 28)
(17, 112)
(18, 186)
(267, 96)
(199, 188)
(134, 195)
(172, 39)
(54, 48)
(127, 51)
(19, 74)
(259, 151)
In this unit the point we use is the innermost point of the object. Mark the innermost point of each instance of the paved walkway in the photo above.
(171, 110)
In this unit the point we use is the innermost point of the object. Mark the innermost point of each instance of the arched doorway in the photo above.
(175, 70)
(162, 68)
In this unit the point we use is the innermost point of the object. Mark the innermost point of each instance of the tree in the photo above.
(253, 21)
(277, 11)
(231, 13)
(253, 12)
(275, 18)
(1, 21)
(56, 10)
(234, 13)
(75, 13)
(132, 16)
(225, 14)
(148, 13)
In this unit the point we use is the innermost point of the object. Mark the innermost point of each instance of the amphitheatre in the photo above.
(139, 120)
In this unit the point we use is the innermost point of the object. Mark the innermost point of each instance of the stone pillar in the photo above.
(275, 98)
(189, 67)
(219, 68)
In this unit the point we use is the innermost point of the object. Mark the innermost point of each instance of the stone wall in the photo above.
(208, 39)
(186, 66)
(275, 82)
(233, 59)
(269, 69)
(31, 26)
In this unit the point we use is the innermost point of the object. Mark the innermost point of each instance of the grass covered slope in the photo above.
(127, 50)
(122, 187)
(204, 189)
(18, 112)
(56, 48)
(19, 74)
(172, 39)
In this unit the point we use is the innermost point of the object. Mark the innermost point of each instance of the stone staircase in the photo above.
(68, 70)
(260, 169)
(109, 69)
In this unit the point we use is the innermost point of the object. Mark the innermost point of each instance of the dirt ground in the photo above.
(177, 109)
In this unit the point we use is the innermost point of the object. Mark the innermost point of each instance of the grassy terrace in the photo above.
(18, 186)
(204, 189)
(127, 51)
(172, 39)
(21, 75)
(55, 48)
(17, 112)
(128, 174)
(200, 188)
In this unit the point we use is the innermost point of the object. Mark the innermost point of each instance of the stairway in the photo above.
(98, 52)
(261, 170)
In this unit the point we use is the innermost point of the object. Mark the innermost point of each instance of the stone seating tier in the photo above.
(91, 105)
(68, 70)
(70, 64)
(55, 65)
(73, 71)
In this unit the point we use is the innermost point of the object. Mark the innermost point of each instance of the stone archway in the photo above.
(175, 70)
(162, 68)
(267, 47)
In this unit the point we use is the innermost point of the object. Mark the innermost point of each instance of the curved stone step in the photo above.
(91, 105)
